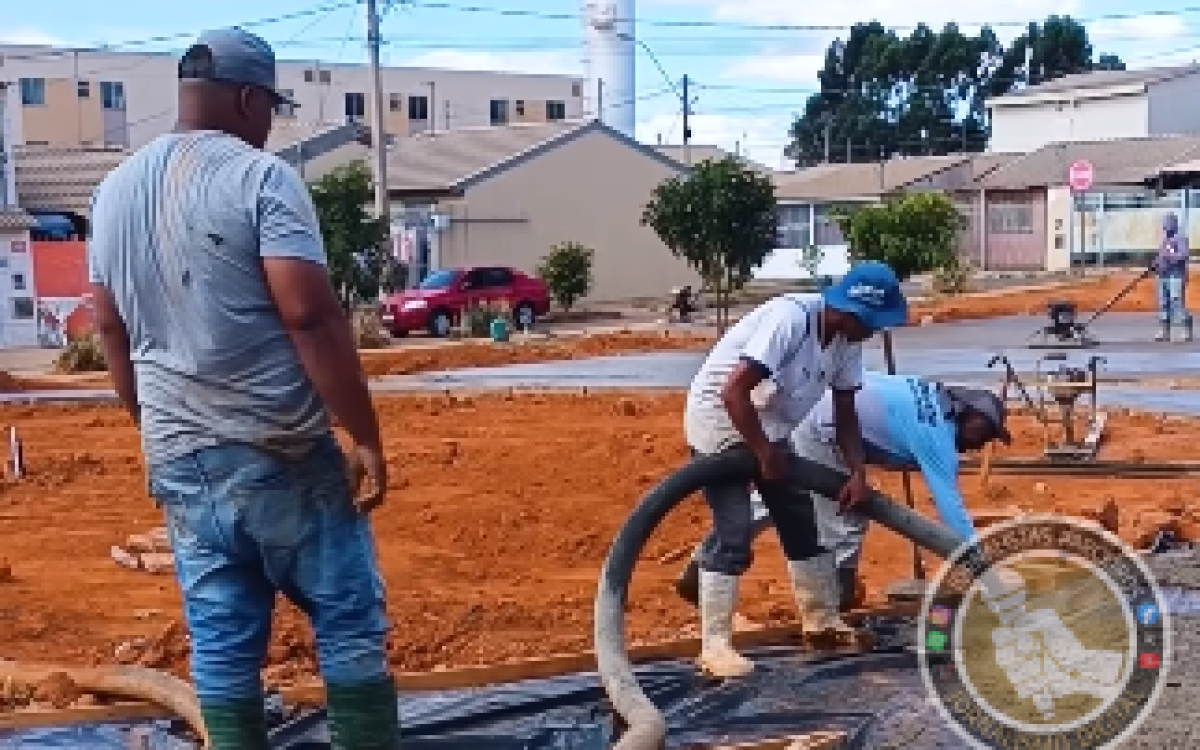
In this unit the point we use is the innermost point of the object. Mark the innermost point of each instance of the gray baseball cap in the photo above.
(232, 56)
(986, 403)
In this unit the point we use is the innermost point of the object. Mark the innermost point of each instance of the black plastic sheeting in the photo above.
(789, 693)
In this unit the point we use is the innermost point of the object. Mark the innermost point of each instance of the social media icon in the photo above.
(936, 640)
(1149, 661)
(940, 616)
(1147, 614)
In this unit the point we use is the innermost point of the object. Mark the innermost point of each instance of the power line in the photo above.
(708, 24)
(322, 9)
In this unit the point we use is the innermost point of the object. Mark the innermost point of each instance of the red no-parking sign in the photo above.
(1080, 176)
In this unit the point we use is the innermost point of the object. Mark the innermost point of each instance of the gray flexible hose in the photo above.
(647, 729)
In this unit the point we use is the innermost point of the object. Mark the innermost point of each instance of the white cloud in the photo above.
(758, 138)
(1141, 29)
(888, 12)
(777, 67)
(30, 36)
(554, 62)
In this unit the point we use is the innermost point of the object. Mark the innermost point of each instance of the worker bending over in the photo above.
(906, 423)
(757, 384)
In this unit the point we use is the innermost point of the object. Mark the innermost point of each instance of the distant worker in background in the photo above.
(228, 346)
(1171, 265)
(684, 304)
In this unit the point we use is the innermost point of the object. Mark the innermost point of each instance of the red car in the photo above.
(438, 303)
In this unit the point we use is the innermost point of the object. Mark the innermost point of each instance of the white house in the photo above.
(1097, 106)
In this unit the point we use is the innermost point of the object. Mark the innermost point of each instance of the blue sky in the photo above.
(748, 81)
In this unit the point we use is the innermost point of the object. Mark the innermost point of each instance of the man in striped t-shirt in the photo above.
(229, 348)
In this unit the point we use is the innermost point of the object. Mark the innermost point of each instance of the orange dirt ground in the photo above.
(501, 511)
(1090, 295)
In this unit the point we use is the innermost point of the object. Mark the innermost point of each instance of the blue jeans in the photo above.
(1172, 300)
(245, 524)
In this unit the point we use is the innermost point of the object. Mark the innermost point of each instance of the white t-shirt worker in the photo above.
(756, 385)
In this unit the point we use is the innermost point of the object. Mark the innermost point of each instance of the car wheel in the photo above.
(524, 316)
(440, 324)
(399, 333)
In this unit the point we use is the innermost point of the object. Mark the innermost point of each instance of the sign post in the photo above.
(1080, 178)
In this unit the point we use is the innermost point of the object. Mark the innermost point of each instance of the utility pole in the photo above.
(849, 150)
(687, 124)
(382, 209)
(828, 136)
(432, 106)
(600, 99)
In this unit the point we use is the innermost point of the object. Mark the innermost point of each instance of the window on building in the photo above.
(396, 102)
(33, 92)
(112, 95)
(520, 108)
(576, 90)
(324, 76)
(556, 111)
(18, 280)
(418, 108)
(499, 112)
(356, 106)
(793, 229)
(309, 76)
(825, 230)
(1010, 217)
(22, 308)
(286, 109)
(83, 89)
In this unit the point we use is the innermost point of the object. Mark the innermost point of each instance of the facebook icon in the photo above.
(1147, 614)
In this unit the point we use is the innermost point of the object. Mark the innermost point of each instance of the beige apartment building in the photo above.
(101, 98)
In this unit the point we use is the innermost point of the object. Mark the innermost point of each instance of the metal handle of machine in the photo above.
(1011, 374)
(647, 729)
(1121, 294)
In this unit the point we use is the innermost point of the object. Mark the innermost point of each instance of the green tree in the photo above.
(884, 95)
(354, 240)
(567, 271)
(720, 218)
(914, 234)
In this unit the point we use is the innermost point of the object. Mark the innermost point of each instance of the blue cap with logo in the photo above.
(870, 292)
(232, 56)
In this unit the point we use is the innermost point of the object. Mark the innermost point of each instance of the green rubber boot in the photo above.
(236, 726)
(363, 716)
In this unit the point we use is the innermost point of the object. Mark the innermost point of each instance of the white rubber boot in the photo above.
(814, 581)
(718, 658)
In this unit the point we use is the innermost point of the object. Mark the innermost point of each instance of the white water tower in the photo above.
(608, 33)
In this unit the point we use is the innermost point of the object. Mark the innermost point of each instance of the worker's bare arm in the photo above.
(114, 340)
(320, 331)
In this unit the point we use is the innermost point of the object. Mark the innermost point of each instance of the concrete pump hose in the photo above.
(646, 727)
(141, 683)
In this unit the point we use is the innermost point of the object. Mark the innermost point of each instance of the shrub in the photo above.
(567, 273)
(369, 333)
(82, 354)
(477, 318)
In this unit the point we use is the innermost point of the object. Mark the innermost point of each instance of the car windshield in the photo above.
(438, 280)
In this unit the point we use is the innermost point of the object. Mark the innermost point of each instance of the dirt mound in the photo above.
(410, 360)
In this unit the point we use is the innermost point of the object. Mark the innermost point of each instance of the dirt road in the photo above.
(501, 512)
